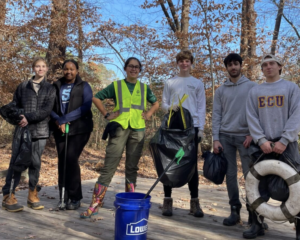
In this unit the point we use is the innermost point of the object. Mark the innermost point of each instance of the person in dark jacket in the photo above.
(72, 106)
(36, 98)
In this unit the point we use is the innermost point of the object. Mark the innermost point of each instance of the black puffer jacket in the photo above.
(37, 106)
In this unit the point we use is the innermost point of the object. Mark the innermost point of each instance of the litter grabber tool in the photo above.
(178, 157)
(12, 185)
(62, 206)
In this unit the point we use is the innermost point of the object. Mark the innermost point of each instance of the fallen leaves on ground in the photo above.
(185, 199)
(30, 237)
(90, 161)
(96, 219)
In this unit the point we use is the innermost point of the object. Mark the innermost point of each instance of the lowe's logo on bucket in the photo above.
(137, 228)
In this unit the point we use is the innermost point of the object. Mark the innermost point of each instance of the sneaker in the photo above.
(73, 205)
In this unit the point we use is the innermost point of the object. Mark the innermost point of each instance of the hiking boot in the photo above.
(256, 229)
(234, 217)
(297, 228)
(11, 204)
(73, 205)
(195, 208)
(250, 218)
(167, 209)
(129, 187)
(97, 201)
(33, 200)
(249, 215)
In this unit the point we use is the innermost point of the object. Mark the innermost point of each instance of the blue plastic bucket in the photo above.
(132, 213)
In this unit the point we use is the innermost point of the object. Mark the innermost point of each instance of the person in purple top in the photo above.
(73, 106)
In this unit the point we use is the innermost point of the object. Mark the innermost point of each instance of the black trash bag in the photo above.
(215, 167)
(21, 149)
(176, 121)
(255, 153)
(21, 145)
(278, 188)
(11, 113)
(165, 144)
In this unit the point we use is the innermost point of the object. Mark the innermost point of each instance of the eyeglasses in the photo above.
(134, 67)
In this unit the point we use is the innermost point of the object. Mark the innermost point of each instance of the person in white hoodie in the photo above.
(230, 129)
(179, 85)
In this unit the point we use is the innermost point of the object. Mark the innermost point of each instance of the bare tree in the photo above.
(286, 19)
(180, 28)
(203, 5)
(277, 25)
(58, 36)
(248, 36)
(80, 31)
(2, 18)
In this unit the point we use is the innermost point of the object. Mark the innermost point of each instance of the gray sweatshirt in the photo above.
(229, 108)
(273, 110)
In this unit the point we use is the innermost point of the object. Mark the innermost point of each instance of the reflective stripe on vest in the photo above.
(124, 99)
(120, 96)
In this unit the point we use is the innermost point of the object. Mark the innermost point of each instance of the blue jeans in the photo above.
(230, 145)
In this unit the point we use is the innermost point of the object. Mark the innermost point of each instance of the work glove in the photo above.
(200, 138)
(174, 108)
(200, 135)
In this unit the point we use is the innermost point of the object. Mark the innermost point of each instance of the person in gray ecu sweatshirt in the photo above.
(273, 115)
(230, 128)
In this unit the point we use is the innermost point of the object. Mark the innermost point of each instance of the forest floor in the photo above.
(91, 161)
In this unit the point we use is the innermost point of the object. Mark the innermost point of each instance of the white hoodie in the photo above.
(195, 103)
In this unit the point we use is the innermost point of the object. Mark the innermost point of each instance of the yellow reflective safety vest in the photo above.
(130, 106)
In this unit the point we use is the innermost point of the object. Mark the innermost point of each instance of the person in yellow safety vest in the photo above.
(126, 129)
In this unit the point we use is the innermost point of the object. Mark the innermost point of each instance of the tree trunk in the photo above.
(207, 35)
(185, 24)
(2, 18)
(248, 37)
(58, 37)
(277, 26)
(252, 29)
(181, 30)
(2, 12)
(244, 34)
(80, 32)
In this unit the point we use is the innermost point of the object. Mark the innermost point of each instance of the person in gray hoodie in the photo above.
(230, 129)
(273, 116)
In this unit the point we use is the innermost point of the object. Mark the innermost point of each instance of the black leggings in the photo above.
(194, 182)
(75, 146)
